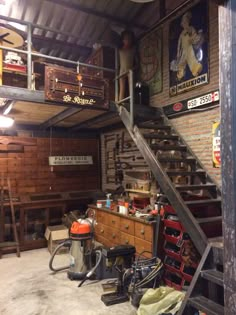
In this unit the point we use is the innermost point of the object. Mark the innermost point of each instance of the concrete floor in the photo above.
(28, 287)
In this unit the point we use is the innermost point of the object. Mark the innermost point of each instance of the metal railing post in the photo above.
(29, 57)
(116, 74)
(131, 93)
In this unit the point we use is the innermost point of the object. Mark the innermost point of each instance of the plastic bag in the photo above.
(160, 300)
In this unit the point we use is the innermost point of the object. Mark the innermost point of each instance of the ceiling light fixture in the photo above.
(8, 107)
(6, 122)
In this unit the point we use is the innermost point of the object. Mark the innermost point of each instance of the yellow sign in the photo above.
(216, 144)
(78, 100)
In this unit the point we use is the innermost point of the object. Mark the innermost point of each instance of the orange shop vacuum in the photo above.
(81, 244)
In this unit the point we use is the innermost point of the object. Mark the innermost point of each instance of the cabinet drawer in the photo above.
(127, 226)
(142, 246)
(103, 240)
(100, 229)
(113, 235)
(126, 239)
(101, 216)
(113, 221)
(143, 231)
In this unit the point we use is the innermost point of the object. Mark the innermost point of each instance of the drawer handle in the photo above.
(126, 226)
(113, 221)
(142, 232)
(113, 235)
(126, 241)
(102, 231)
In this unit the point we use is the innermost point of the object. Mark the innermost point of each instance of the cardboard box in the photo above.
(55, 235)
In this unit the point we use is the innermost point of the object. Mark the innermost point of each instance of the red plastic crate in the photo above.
(173, 238)
(170, 279)
(173, 224)
(188, 276)
(169, 209)
(172, 264)
(174, 254)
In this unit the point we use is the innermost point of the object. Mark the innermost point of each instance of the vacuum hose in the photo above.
(91, 272)
(67, 243)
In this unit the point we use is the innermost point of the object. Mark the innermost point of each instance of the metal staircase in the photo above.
(191, 192)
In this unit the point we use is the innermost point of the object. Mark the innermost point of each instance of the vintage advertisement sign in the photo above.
(187, 105)
(216, 144)
(188, 50)
(69, 87)
(150, 52)
(70, 160)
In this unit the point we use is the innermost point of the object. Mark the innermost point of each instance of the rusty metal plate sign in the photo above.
(68, 87)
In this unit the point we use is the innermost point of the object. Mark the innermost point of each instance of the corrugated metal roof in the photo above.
(78, 24)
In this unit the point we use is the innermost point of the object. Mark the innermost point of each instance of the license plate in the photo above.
(203, 100)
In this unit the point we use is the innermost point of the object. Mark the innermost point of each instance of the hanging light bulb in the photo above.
(6, 122)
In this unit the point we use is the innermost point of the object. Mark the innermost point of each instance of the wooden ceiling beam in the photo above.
(90, 11)
(96, 120)
(60, 117)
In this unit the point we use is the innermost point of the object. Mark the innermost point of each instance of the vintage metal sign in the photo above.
(189, 104)
(67, 86)
(216, 144)
(188, 49)
(70, 160)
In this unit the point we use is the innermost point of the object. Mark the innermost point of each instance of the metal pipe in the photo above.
(131, 93)
(14, 49)
(124, 99)
(29, 57)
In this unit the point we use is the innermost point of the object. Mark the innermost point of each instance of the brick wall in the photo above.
(29, 171)
(196, 128)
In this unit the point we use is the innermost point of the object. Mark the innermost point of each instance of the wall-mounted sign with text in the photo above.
(187, 105)
(70, 160)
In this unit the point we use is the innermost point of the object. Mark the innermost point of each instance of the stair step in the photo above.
(203, 202)
(147, 125)
(185, 173)
(166, 147)
(213, 276)
(209, 219)
(160, 136)
(176, 160)
(195, 187)
(205, 305)
(8, 244)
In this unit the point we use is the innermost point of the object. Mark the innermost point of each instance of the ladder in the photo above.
(6, 199)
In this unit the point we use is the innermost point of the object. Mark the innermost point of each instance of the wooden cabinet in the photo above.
(33, 213)
(113, 229)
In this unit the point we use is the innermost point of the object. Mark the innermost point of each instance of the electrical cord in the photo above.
(91, 272)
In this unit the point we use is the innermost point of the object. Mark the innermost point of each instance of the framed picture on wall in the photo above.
(188, 50)
(150, 53)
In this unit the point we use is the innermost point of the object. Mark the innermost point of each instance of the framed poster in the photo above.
(188, 50)
(150, 52)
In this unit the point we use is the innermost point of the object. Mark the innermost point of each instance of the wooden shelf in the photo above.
(139, 191)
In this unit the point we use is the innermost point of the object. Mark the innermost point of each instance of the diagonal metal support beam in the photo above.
(91, 11)
(60, 117)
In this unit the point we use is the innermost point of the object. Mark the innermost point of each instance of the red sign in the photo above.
(177, 107)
